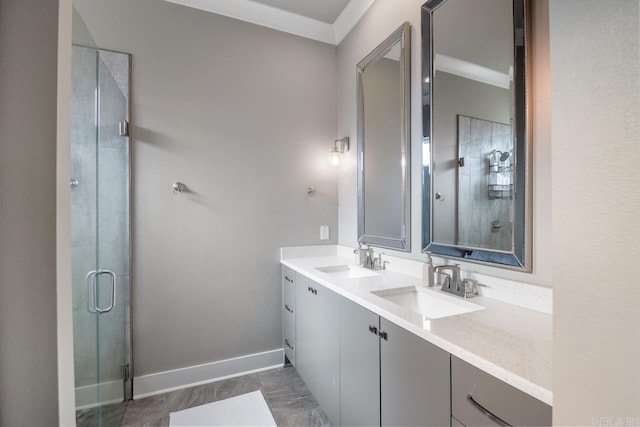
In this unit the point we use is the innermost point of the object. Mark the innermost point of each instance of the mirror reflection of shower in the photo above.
(485, 184)
(500, 175)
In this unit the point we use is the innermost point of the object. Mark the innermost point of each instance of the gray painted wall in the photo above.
(595, 128)
(245, 116)
(28, 88)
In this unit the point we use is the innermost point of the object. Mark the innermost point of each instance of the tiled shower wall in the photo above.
(476, 140)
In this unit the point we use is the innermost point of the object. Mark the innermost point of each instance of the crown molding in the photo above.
(277, 19)
(349, 17)
(472, 71)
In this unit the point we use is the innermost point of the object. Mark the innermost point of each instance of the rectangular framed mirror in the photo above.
(476, 150)
(384, 105)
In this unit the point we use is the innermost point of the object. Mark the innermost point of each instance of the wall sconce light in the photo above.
(340, 146)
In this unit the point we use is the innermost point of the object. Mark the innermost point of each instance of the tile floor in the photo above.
(288, 397)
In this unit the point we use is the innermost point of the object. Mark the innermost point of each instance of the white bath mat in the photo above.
(245, 410)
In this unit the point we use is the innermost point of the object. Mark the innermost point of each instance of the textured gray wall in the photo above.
(28, 84)
(245, 117)
(596, 151)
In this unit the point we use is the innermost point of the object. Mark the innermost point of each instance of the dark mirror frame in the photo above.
(520, 257)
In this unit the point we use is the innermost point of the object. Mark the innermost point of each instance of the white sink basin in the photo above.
(430, 304)
(347, 271)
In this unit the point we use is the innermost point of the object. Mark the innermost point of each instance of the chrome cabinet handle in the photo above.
(287, 279)
(92, 284)
(373, 329)
(288, 309)
(287, 343)
(487, 412)
(382, 334)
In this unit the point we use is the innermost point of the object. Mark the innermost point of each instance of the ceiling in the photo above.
(328, 21)
(323, 10)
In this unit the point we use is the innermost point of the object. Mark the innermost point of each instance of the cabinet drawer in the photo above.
(288, 284)
(289, 343)
(476, 396)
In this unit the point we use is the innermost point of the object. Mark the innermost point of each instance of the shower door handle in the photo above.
(92, 283)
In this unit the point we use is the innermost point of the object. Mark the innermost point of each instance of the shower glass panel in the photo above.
(100, 234)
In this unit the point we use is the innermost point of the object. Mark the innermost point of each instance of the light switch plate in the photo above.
(324, 232)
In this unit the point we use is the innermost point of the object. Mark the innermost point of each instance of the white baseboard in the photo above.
(163, 382)
(110, 392)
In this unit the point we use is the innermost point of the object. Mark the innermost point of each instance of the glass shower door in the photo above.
(100, 234)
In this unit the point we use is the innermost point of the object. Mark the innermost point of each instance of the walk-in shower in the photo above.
(100, 176)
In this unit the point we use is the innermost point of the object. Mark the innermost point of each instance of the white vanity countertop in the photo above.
(509, 342)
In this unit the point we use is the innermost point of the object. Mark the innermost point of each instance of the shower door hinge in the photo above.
(125, 372)
(123, 128)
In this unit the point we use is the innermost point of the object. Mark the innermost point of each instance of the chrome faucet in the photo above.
(362, 253)
(451, 283)
(378, 263)
(368, 258)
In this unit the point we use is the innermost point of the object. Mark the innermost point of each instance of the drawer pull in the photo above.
(382, 334)
(373, 329)
(287, 279)
(488, 413)
(287, 343)
(288, 309)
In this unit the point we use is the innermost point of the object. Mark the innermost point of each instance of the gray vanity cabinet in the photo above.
(479, 399)
(318, 343)
(359, 365)
(365, 371)
(389, 376)
(414, 379)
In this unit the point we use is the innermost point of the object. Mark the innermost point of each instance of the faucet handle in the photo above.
(470, 288)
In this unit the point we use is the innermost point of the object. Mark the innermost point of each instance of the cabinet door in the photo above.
(305, 331)
(415, 389)
(359, 366)
(327, 351)
(318, 343)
